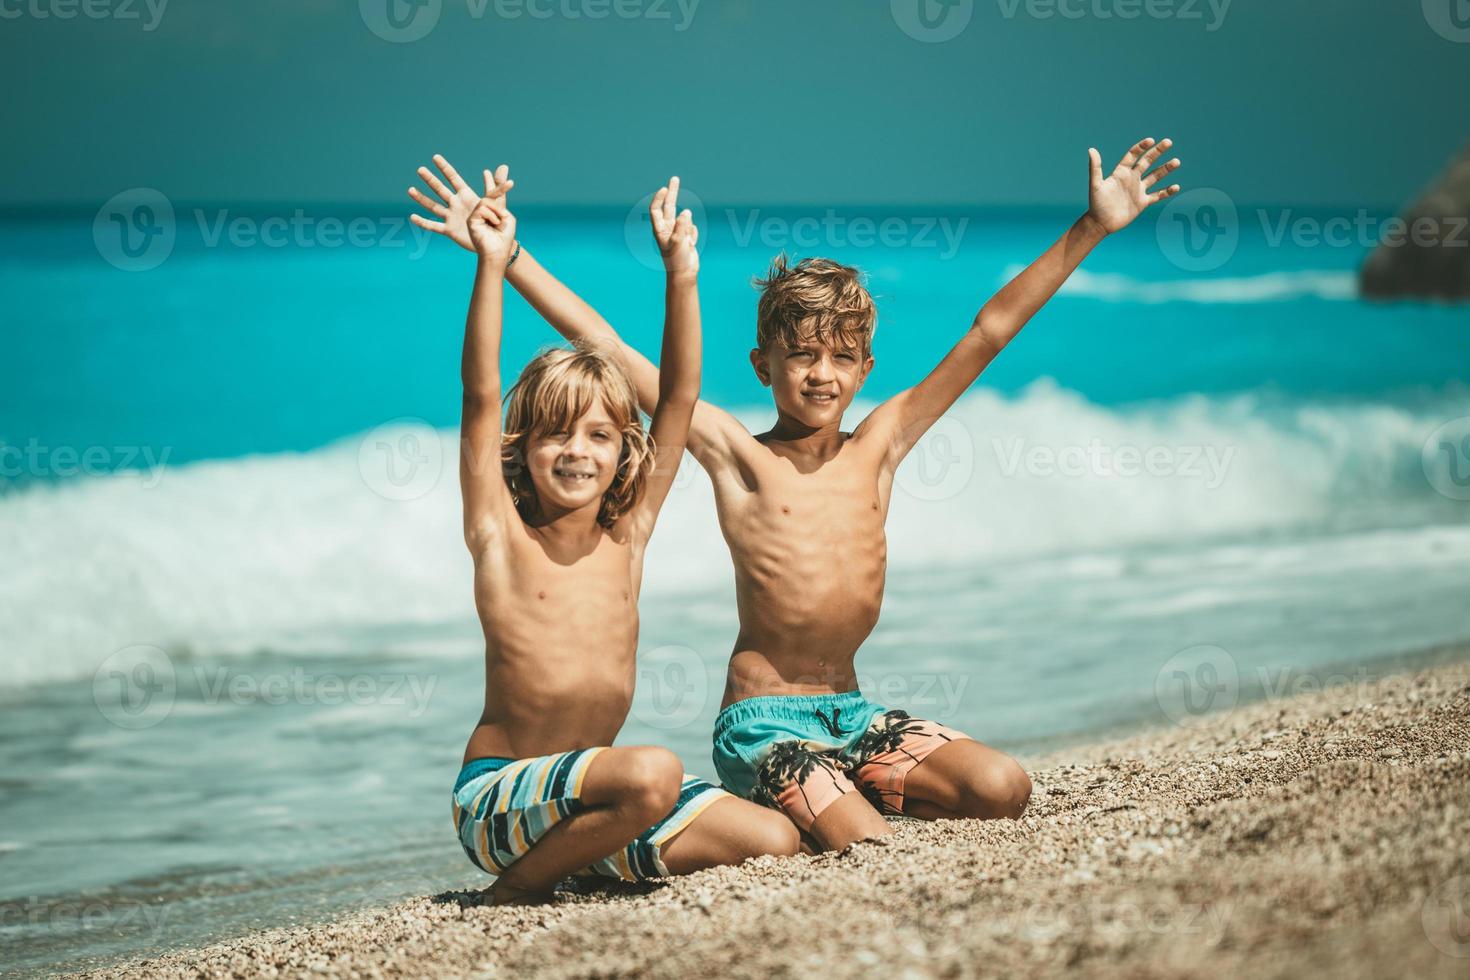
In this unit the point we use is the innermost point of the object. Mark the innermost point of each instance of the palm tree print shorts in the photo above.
(504, 806)
(801, 754)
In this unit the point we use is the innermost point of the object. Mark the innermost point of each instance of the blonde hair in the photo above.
(814, 296)
(556, 388)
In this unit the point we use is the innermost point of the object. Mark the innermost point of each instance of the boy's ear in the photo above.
(758, 361)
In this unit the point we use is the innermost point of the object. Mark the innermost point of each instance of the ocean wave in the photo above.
(292, 550)
(1270, 287)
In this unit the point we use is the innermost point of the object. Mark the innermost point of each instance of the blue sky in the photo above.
(752, 101)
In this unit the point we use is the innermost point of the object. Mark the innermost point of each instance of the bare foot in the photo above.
(504, 893)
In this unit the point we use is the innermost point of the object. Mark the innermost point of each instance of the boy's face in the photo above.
(814, 381)
(571, 470)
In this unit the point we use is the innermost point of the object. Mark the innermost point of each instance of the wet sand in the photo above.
(1320, 835)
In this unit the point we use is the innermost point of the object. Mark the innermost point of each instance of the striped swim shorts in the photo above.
(504, 806)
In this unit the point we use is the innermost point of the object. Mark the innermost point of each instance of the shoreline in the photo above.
(1314, 834)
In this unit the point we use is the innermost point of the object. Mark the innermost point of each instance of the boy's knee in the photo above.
(775, 835)
(998, 788)
(652, 778)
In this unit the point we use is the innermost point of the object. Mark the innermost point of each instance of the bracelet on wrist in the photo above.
(514, 255)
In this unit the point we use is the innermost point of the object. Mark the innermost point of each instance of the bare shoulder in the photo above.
(717, 438)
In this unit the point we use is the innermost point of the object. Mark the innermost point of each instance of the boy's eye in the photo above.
(846, 357)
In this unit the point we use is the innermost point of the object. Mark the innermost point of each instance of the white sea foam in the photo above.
(297, 549)
(1270, 287)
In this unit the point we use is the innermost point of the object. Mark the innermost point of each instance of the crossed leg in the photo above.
(626, 791)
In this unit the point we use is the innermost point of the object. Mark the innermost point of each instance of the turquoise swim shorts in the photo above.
(800, 754)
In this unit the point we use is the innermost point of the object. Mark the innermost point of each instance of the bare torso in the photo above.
(561, 632)
(810, 554)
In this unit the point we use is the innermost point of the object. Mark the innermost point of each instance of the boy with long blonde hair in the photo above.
(558, 510)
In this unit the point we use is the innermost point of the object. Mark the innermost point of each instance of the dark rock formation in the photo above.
(1427, 254)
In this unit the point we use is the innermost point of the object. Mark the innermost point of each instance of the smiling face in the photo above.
(574, 438)
(574, 467)
(814, 335)
(814, 380)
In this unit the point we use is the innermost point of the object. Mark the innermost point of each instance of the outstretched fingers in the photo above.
(428, 203)
(1147, 160)
(426, 224)
(1135, 153)
(450, 174)
(1169, 191)
(435, 184)
(1158, 174)
(656, 210)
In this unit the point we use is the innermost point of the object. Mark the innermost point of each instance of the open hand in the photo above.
(490, 225)
(455, 203)
(1117, 200)
(674, 231)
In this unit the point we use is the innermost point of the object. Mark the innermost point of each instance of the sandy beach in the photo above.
(1315, 835)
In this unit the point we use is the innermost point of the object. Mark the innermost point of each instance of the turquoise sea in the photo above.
(239, 649)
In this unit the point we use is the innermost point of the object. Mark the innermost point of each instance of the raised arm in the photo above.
(573, 318)
(487, 501)
(1112, 204)
(678, 381)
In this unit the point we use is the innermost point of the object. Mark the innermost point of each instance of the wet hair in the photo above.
(557, 388)
(814, 298)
